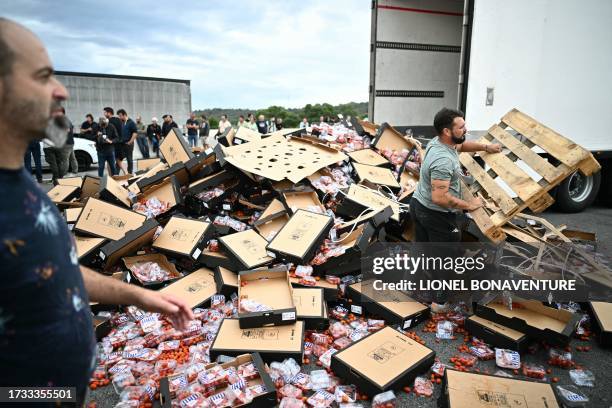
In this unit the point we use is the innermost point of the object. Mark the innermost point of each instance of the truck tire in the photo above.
(577, 192)
(83, 159)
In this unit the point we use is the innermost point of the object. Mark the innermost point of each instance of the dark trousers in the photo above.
(434, 226)
(34, 150)
(57, 157)
(143, 145)
(155, 145)
(108, 157)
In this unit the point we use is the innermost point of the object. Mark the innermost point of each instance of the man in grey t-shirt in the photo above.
(437, 198)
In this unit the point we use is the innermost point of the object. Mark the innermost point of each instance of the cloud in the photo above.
(236, 53)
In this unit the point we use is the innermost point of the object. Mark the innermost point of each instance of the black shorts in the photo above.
(123, 150)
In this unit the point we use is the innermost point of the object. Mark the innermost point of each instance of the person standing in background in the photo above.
(57, 157)
(127, 136)
(224, 124)
(105, 137)
(279, 124)
(204, 130)
(71, 163)
(304, 123)
(89, 128)
(192, 130)
(154, 134)
(262, 125)
(168, 124)
(34, 150)
(241, 122)
(143, 144)
(251, 123)
(272, 125)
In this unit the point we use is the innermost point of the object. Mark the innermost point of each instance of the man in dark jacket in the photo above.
(127, 137)
(105, 137)
(168, 125)
(89, 128)
(154, 134)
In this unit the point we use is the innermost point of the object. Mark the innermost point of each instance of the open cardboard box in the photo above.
(246, 248)
(101, 326)
(369, 157)
(306, 200)
(226, 281)
(175, 148)
(300, 238)
(475, 390)
(311, 307)
(330, 291)
(275, 207)
(602, 322)
(196, 289)
(495, 334)
(387, 137)
(246, 135)
(202, 164)
(360, 198)
(90, 187)
(268, 227)
(87, 248)
(102, 219)
(183, 237)
(133, 240)
(266, 397)
(408, 181)
(226, 180)
(269, 287)
(113, 192)
(178, 170)
(63, 193)
(168, 191)
(398, 308)
(376, 175)
(71, 181)
(146, 164)
(272, 343)
(159, 259)
(382, 361)
(531, 317)
(355, 242)
(213, 259)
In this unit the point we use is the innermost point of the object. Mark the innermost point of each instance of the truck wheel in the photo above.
(577, 192)
(83, 159)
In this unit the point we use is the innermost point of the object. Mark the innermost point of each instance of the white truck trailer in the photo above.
(549, 59)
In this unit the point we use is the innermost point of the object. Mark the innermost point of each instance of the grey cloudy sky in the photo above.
(249, 54)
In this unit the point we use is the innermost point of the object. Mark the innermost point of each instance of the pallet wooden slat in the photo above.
(481, 218)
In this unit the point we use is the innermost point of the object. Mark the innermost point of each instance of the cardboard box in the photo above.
(356, 243)
(369, 157)
(178, 170)
(133, 240)
(531, 317)
(268, 227)
(175, 148)
(475, 390)
(146, 164)
(495, 334)
(91, 186)
(113, 192)
(159, 259)
(360, 198)
(387, 137)
(206, 160)
(265, 399)
(400, 308)
(217, 259)
(245, 135)
(87, 248)
(72, 214)
(311, 307)
(301, 237)
(330, 291)
(306, 200)
(377, 218)
(101, 326)
(269, 287)
(102, 219)
(377, 175)
(226, 281)
(71, 181)
(275, 207)
(184, 237)
(272, 343)
(168, 191)
(195, 289)
(246, 248)
(602, 321)
(63, 193)
(382, 361)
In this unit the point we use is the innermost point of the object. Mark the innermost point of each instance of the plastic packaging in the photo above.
(507, 359)
(303, 270)
(445, 330)
(326, 357)
(248, 371)
(483, 352)
(560, 358)
(571, 396)
(385, 399)
(375, 325)
(319, 379)
(339, 312)
(582, 377)
(423, 386)
(321, 399)
(291, 403)
(123, 380)
(134, 393)
(342, 342)
(289, 390)
(534, 371)
(345, 394)
(302, 381)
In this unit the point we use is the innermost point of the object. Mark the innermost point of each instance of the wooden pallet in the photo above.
(528, 193)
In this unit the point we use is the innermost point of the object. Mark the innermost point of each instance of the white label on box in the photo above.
(197, 253)
(407, 323)
(208, 151)
(227, 207)
(128, 278)
(289, 316)
(356, 309)
(70, 227)
(271, 254)
(332, 234)
(237, 141)
(102, 256)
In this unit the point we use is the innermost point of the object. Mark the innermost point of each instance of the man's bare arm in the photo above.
(470, 146)
(440, 195)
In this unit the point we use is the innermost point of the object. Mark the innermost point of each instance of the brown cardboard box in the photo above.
(300, 238)
(133, 240)
(195, 289)
(226, 281)
(387, 137)
(377, 175)
(168, 191)
(71, 181)
(183, 237)
(175, 149)
(214, 259)
(369, 198)
(63, 193)
(472, 390)
(91, 186)
(247, 248)
(106, 220)
(305, 200)
(356, 243)
(159, 259)
(146, 164)
(369, 157)
(72, 214)
(269, 227)
(381, 361)
(311, 307)
(272, 343)
(495, 334)
(275, 207)
(602, 312)
(258, 286)
(177, 170)
(330, 291)
(113, 192)
(87, 248)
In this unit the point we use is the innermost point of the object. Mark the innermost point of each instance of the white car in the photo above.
(84, 151)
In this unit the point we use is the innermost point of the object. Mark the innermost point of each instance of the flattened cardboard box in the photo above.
(63, 193)
(355, 243)
(175, 149)
(87, 248)
(300, 238)
(330, 291)
(272, 343)
(311, 307)
(113, 192)
(264, 400)
(474, 390)
(495, 334)
(106, 220)
(183, 237)
(602, 313)
(400, 309)
(133, 240)
(377, 175)
(226, 281)
(532, 318)
(369, 157)
(159, 259)
(71, 181)
(195, 289)
(381, 361)
(246, 248)
(270, 287)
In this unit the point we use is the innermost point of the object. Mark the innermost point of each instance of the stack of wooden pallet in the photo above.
(520, 178)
